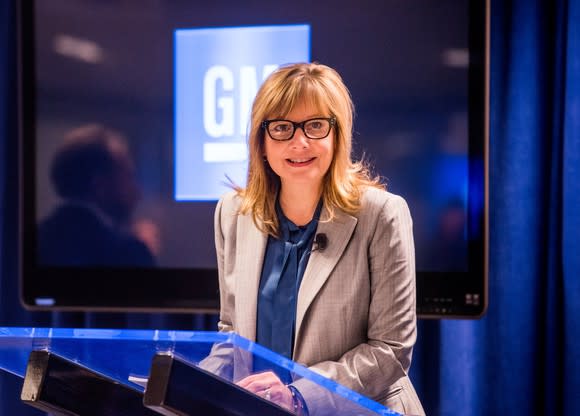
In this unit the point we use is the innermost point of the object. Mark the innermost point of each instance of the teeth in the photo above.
(299, 160)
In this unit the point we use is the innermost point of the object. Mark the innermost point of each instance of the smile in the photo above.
(300, 162)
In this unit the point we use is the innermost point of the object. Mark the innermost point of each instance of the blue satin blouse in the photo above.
(282, 271)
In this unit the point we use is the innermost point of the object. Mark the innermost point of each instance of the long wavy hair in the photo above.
(344, 182)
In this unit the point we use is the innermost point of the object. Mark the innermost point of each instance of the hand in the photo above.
(268, 386)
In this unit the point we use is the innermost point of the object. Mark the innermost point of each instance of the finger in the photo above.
(267, 394)
(257, 385)
(259, 380)
(281, 395)
(249, 380)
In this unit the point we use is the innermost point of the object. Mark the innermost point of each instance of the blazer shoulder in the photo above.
(230, 200)
(227, 211)
(379, 199)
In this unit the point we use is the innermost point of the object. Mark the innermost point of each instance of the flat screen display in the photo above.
(134, 120)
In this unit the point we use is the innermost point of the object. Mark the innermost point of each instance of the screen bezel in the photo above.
(432, 298)
(157, 290)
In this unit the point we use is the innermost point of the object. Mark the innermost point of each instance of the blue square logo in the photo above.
(217, 75)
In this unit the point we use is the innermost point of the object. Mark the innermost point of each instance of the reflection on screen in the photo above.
(177, 80)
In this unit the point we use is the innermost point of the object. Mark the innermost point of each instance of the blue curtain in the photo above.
(523, 356)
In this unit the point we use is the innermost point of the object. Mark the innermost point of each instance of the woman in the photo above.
(316, 259)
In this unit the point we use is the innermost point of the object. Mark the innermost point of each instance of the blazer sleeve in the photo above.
(372, 367)
(221, 358)
(227, 305)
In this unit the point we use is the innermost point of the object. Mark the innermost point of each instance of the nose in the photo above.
(299, 139)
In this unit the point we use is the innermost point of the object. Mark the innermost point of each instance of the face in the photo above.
(119, 192)
(300, 160)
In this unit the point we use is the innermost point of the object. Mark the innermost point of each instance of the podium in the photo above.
(151, 372)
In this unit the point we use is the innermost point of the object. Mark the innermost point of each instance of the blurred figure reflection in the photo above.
(94, 174)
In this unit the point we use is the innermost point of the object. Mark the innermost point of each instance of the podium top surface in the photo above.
(125, 355)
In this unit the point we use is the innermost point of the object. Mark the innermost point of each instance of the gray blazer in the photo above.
(355, 320)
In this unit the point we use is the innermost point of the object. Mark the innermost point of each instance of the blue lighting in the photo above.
(217, 74)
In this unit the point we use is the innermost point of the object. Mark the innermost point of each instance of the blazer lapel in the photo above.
(321, 263)
(250, 256)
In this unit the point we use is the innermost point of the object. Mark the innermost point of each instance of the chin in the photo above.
(303, 180)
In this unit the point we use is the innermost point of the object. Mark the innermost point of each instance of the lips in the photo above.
(300, 161)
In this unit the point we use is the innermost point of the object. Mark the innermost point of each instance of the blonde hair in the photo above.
(345, 180)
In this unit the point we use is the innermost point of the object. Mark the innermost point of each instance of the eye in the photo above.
(315, 125)
(280, 127)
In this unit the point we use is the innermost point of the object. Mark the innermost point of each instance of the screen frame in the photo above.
(109, 289)
(432, 301)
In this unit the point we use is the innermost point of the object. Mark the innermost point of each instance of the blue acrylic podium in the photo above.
(147, 372)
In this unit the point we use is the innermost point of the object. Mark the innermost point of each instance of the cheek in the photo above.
(269, 149)
(268, 154)
(272, 159)
(328, 153)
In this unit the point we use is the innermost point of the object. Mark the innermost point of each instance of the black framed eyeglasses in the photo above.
(313, 128)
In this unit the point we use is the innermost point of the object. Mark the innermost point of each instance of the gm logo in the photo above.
(217, 75)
